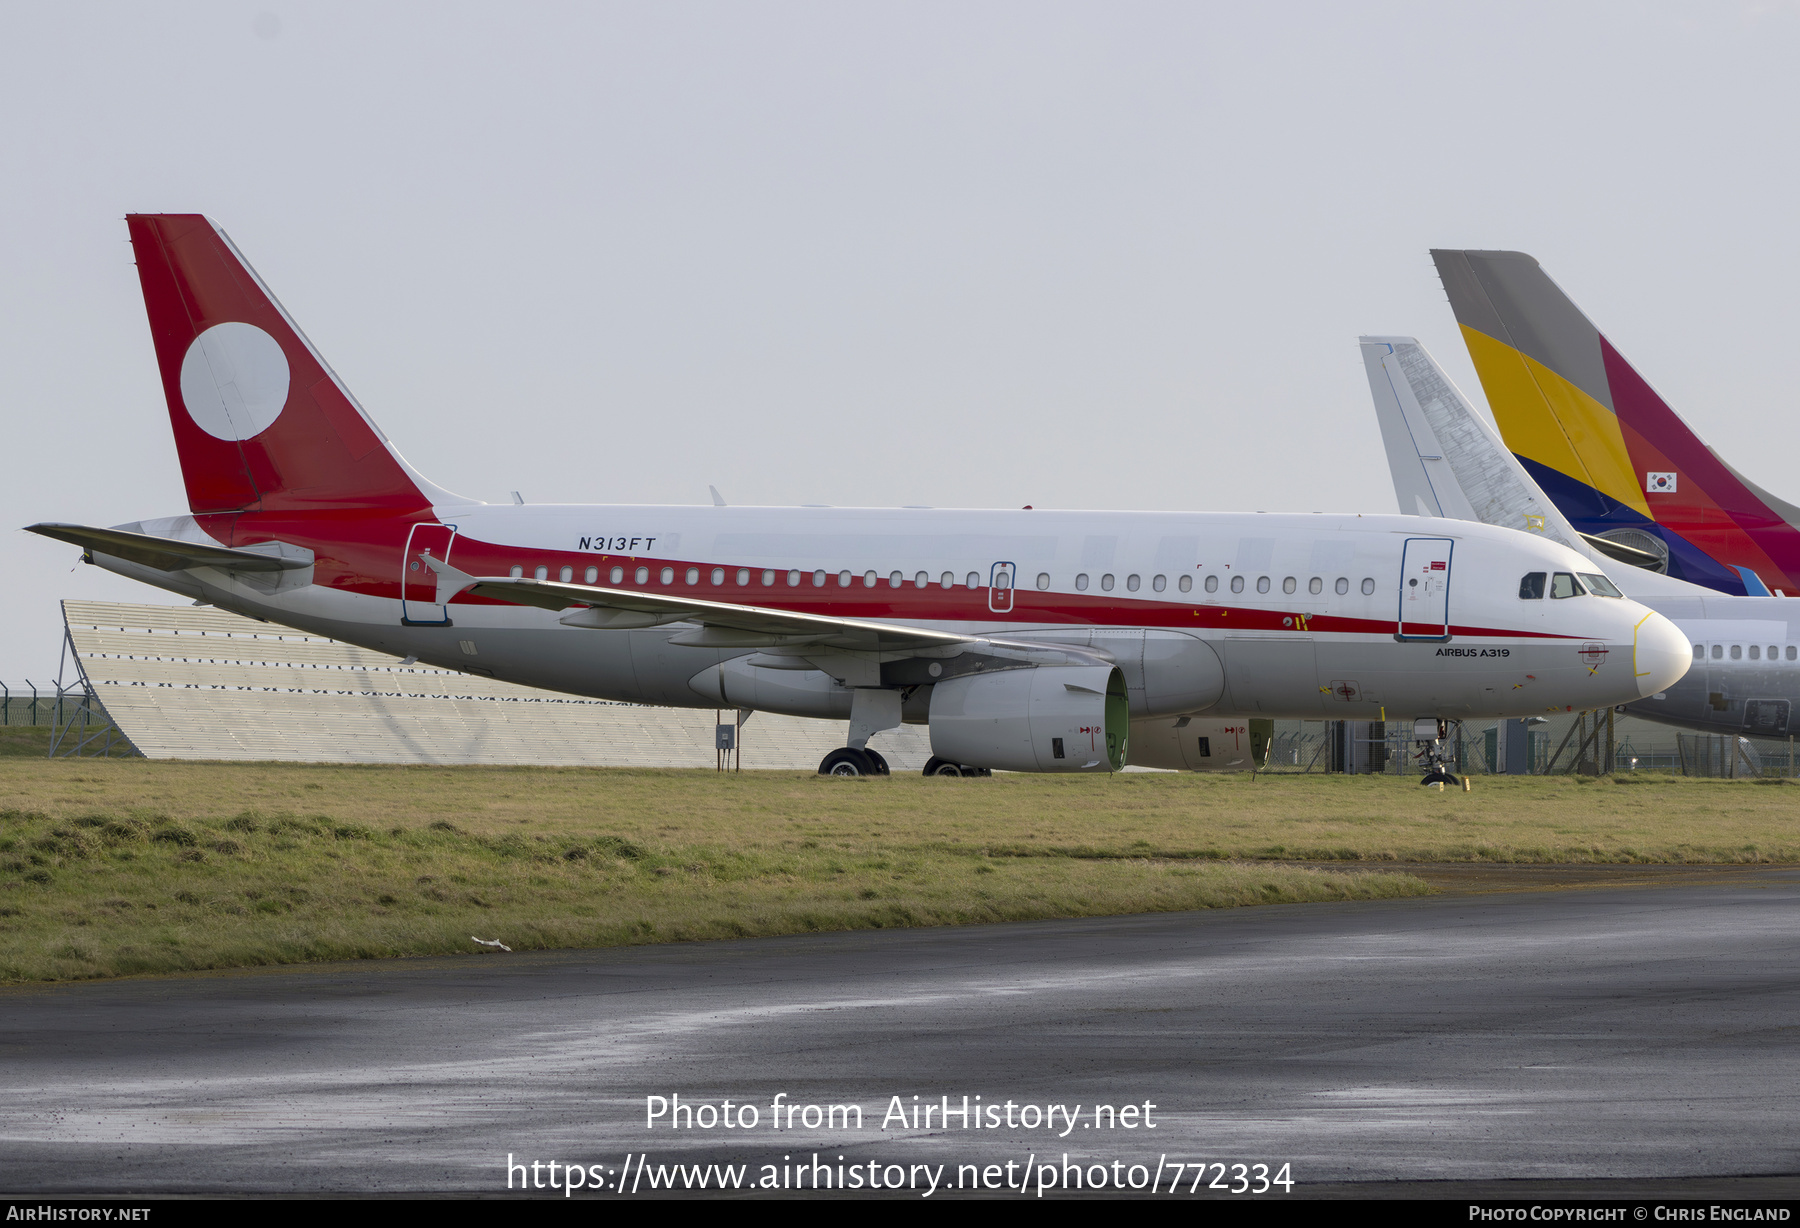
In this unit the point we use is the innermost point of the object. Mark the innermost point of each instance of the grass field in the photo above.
(111, 867)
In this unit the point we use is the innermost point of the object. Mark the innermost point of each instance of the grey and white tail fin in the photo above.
(1446, 461)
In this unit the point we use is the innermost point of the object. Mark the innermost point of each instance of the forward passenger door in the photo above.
(1425, 589)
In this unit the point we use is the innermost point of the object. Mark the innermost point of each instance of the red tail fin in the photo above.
(261, 423)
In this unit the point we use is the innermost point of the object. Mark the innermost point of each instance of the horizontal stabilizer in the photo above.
(171, 554)
(1649, 560)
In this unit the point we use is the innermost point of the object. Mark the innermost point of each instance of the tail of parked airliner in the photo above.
(261, 423)
(1601, 443)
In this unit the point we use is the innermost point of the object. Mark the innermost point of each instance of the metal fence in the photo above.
(1583, 743)
(28, 703)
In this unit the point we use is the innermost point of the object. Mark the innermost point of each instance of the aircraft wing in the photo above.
(172, 554)
(725, 624)
(1445, 461)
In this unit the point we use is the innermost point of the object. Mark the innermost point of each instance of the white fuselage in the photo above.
(1292, 616)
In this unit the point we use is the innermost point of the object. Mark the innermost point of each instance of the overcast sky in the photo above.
(1104, 255)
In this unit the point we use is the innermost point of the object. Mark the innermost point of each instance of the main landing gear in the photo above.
(943, 767)
(848, 761)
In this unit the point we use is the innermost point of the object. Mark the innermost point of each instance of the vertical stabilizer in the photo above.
(1443, 458)
(261, 423)
(1597, 438)
(1446, 461)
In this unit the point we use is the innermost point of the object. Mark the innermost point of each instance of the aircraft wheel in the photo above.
(845, 761)
(880, 764)
(942, 767)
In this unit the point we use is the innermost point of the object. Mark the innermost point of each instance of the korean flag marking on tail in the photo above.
(1659, 483)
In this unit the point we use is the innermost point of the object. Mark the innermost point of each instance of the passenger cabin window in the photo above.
(1773, 652)
(1043, 579)
(1718, 652)
(1187, 584)
(948, 579)
(1262, 584)
(1212, 583)
(794, 579)
(1368, 586)
(896, 580)
(1288, 585)
(1237, 584)
(1531, 587)
(819, 578)
(923, 581)
(718, 575)
(1737, 652)
(542, 573)
(1081, 583)
(592, 576)
(1562, 584)
(616, 576)
(1106, 583)
(843, 579)
(1158, 584)
(517, 571)
(643, 575)
(868, 579)
(567, 574)
(1792, 652)
(668, 575)
(1131, 583)
(1600, 586)
(743, 576)
(1755, 652)
(1315, 586)
(1699, 652)
(768, 576)
(693, 575)
(1342, 586)
(973, 579)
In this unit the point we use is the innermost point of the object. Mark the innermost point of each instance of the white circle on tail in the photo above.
(234, 381)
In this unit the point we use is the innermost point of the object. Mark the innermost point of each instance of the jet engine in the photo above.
(1201, 743)
(1048, 718)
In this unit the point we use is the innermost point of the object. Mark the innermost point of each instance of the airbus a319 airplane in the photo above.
(1028, 640)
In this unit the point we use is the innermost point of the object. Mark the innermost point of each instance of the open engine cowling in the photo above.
(1050, 718)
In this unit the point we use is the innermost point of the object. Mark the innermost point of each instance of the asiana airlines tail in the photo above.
(1628, 473)
(1042, 641)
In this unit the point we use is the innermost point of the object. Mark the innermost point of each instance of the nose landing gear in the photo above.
(1430, 736)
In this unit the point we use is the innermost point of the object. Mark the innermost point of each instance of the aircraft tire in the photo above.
(847, 761)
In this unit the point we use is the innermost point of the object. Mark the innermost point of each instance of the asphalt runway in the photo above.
(1586, 1037)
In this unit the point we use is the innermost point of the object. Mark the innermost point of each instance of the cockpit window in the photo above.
(1562, 584)
(1600, 586)
(1531, 587)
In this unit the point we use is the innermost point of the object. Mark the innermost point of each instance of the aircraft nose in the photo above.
(1660, 654)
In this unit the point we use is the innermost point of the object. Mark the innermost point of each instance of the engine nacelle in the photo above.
(1049, 718)
(1201, 744)
(738, 684)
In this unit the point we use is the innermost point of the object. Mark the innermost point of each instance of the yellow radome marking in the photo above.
(1636, 672)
